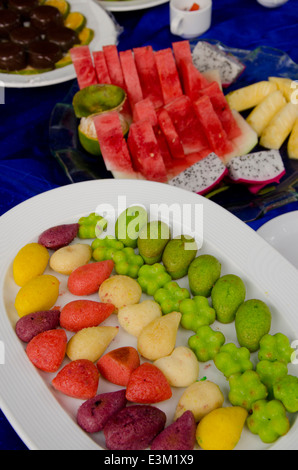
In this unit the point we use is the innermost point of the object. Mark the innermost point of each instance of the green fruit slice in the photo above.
(76, 21)
(86, 36)
(66, 60)
(87, 134)
(98, 98)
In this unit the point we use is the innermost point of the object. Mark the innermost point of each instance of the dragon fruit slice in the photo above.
(257, 169)
(207, 57)
(201, 177)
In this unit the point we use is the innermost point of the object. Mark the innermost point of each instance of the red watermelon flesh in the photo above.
(168, 75)
(131, 78)
(116, 75)
(222, 109)
(101, 68)
(188, 127)
(113, 145)
(145, 153)
(169, 131)
(181, 51)
(179, 166)
(192, 80)
(212, 126)
(83, 65)
(147, 70)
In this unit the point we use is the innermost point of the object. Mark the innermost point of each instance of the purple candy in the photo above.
(180, 435)
(34, 323)
(94, 413)
(59, 236)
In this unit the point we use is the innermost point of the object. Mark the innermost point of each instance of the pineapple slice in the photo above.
(250, 96)
(285, 85)
(279, 127)
(262, 114)
(293, 142)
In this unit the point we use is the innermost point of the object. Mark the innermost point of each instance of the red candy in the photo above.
(86, 279)
(47, 350)
(148, 384)
(80, 314)
(117, 366)
(78, 379)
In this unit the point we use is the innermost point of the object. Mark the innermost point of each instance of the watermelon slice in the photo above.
(222, 109)
(131, 78)
(192, 80)
(181, 51)
(116, 75)
(179, 166)
(145, 153)
(101, 68)
(168, 75)
(169, 131)
(146, 67)
(188, 127)
(113, 145)
(83, 65)
(212, 126)
(144, 111)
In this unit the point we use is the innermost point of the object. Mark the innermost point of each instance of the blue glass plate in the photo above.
(260, 64)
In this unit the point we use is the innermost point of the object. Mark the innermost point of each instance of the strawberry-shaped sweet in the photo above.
(78, 379)
(117, 365)
(86, 279)
(147, 384)
(47, 350)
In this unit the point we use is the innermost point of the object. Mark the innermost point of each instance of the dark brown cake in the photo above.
(23, 7)
(44, 55)
(12, 56)
(24, 36)
(45, 15)
(8, 21)
(62, 36)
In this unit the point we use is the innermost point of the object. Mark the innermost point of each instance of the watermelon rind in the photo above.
(98, 98)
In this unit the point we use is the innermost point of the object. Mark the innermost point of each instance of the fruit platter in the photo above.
(36, 36)
(111, 326)
(226, 97)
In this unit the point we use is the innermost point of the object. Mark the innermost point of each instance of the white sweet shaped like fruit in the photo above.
(181, 368)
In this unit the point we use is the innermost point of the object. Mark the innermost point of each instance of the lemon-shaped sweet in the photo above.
(40, 293)
(30, 262)
(221, 429)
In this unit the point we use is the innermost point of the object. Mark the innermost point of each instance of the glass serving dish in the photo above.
(260, 64)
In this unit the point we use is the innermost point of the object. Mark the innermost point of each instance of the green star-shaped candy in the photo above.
(127, 262)
(286, 390)
(206, 343)
(275, 348)
(196, 312)
(104, 248)
(170, 296)
(153, 277)
(246, 388)
(232, 360)
(91, 226)
(271, 372)
(268, 420)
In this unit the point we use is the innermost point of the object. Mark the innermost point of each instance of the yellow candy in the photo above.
(38, 294)
(221, 428)
(90, 343)
(30, 262)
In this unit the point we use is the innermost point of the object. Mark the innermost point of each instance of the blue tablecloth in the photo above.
(27, 167)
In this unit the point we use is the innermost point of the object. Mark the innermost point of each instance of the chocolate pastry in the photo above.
(62, 36)
(23, 7)
(44, 55)
(43, 16)
(24, 36)
(12, 57)
(8, 21)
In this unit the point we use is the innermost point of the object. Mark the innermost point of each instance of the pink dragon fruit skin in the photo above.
(201, 177)
(257, 169)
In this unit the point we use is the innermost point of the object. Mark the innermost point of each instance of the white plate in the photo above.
(105, 33)
(131, 5)
(45, 419)
(282, 233)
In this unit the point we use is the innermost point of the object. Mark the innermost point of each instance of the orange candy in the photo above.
(79, 314)
(117, 366)
(47, 350)
(78, 379)
(86, 280)
(148, 384)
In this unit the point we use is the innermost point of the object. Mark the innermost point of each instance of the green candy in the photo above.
(203, 272)
(268, 420)
(275, 348)
(104, 248)
(170, 296)
(152, 278)
(152, 240)
(129, 224)
(271, 372)
(92, 226)
(286, 390)
(227, 295)
(178, 254)
(206, 343)
(196, 312)
(252, 322)
(127, 262)
(246, 388)
(232, 360)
